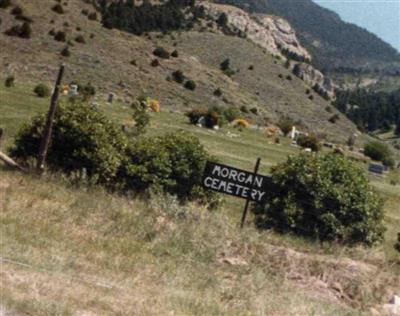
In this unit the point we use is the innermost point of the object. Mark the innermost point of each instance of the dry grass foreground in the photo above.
(81, 251)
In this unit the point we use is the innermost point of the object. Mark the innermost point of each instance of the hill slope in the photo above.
(334, 44)
(105, 61)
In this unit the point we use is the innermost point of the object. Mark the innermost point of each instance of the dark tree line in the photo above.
(137, 19)
(371, 110)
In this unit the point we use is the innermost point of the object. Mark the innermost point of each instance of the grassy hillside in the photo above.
(105, 61)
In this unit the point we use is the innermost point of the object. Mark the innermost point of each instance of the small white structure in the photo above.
(294, 134)
(73, 90)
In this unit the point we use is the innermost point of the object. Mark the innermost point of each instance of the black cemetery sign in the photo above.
(240, 183)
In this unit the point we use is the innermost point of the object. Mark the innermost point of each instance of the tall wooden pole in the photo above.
(246, 207)
(44, 146)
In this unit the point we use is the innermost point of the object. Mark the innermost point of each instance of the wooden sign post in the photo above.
(237, 182)
(44, 146)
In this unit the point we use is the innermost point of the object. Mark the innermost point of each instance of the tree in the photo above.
(324, 197)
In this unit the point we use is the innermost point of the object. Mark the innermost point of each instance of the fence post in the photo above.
(44, 146)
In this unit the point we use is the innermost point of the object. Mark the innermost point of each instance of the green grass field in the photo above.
(69, 236)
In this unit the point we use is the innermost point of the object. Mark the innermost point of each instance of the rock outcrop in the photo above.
(273, 33)
(315, 79)
(278, 37)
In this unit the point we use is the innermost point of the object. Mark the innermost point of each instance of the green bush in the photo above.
(9, 82)
(173, 163)
(190, 85)
(309, 141)
(324, 197)
(161, 52)
(41, 90)
(380, 152)
(83, 139)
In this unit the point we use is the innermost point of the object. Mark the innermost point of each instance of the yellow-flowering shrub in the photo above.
(240, 123)
(153, 105)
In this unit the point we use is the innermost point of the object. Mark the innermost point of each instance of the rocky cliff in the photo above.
(278, 37)
(270, 32)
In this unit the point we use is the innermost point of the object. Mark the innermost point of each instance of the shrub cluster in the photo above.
(23, 31)
(324, 197)
(173, 162)
(180, 78)
(85, 141)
